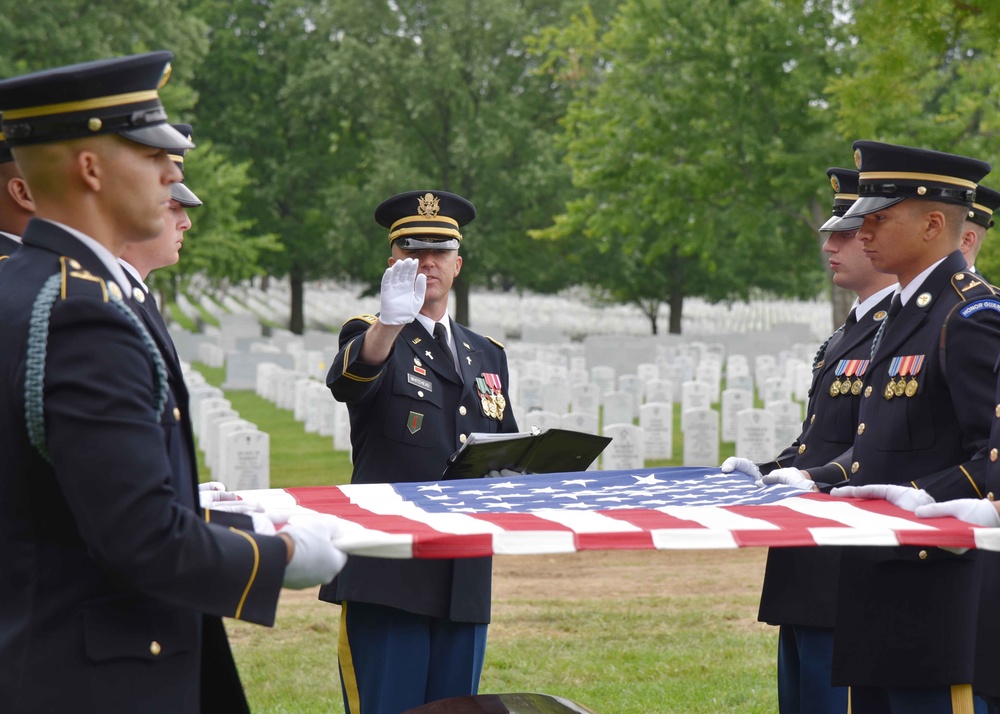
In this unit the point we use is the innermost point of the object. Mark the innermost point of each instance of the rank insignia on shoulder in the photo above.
(370, 319)
(498, 344)
(78, 281)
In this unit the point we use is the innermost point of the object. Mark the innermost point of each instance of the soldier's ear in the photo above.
(458, 265)
(18, 189)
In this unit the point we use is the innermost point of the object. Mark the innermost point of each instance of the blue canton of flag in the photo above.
(592, 491)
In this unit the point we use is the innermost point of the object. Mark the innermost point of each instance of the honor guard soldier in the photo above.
(800, 584)
(979, 220)
(16, 207)
(112, 578)
(906, 616)
(416, 385)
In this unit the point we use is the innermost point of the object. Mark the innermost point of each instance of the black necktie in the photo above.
(441, 337)
(894, 309)
(852, 320)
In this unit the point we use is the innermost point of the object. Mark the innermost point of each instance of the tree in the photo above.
(700, 145)
(448, 98)
(929, 78)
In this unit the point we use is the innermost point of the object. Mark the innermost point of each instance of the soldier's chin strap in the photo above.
(34, 371)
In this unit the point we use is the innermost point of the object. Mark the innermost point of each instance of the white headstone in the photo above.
(733, 402)
(787, 423)
(618, 408)
(205, 420)
(555, 396)
(342, 427)
(701, 437)
(625, 450)
(776, 389)
(657, 422)
(603, 377)
(541, 420)
(630, 384)
(577, 421)
(755, 435)
(529, 395)
(694, 395)
(241, 367)
(585, 399)
(246, 463)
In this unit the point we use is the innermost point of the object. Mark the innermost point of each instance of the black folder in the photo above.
(552, 451)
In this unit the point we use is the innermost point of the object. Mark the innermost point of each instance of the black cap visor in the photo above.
(870, 204)
(184, 196)
(160, 136)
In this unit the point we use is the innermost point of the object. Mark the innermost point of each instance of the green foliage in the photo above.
(695, 138)
(931, 78)
(221, 244)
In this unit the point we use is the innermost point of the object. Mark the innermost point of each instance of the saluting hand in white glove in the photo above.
(403, 292)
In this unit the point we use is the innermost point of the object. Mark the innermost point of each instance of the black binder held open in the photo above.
(552, 451)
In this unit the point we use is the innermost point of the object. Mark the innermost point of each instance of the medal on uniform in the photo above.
(859, 372)
(911, 366)
(890, 388)
(485, 397)
(836, 388)
(496, 387)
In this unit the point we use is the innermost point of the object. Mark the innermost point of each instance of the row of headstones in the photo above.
(308, 399)
(237, 453)
(549, 318)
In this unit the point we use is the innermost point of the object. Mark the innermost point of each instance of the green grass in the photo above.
(297, 458)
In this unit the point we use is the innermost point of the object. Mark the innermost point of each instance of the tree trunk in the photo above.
(461, 289)
(265, 282)
(676, 306)
(296, 322)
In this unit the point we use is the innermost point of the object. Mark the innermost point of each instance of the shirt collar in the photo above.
(16, 239)
(910, 290)
(861, 309)
(130, 269)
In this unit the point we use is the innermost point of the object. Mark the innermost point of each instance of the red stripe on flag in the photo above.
(649, 519)
(443, 545)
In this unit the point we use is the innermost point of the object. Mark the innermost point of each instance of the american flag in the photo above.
(664, 508)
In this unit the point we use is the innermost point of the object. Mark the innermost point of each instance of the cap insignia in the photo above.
(428, 205)
(94, 124)
(921, 190)
(835, 184)
(166, 75)
(857, 158)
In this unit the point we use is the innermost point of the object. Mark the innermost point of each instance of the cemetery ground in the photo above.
(622, 632)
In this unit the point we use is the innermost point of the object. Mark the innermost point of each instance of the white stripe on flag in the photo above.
(533, 542)
(718, 518)
(383, 500)
(586, 521)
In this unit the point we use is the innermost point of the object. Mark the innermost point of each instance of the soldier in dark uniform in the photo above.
(16, 207)
(979, 221)
(111, 575)
(416, 384)
(906, 616)
(800, 584)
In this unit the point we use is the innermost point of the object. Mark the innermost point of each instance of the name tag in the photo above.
(417, 381)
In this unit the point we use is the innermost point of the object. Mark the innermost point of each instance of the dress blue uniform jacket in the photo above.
(7, 246)
(407, 417)
(906, 616)
(109, 569)
(800, 584)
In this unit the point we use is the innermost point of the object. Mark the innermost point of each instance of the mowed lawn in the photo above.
(621, 632)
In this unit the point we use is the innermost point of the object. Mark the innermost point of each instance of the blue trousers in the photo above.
(931, 700)
(805, 661)
(392, 660)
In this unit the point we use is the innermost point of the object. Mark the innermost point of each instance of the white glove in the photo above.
(745, 466)
(503, 473)
(208, 497)
(790, 477)
(262, 524)
(235, 507)
(402, 292)
(212, 486)
(315, 560)
(905, 497)
(977, 511)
